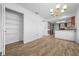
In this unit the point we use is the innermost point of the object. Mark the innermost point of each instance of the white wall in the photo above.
(33, 27)
(32, 23)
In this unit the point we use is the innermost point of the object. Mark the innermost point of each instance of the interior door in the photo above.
(13, 26)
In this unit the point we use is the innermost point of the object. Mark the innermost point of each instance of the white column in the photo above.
(3, 29)
(77, 23)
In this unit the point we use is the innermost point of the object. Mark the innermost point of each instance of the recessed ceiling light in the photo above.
(57, 6)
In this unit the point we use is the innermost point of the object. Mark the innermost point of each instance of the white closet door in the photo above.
(13, 26)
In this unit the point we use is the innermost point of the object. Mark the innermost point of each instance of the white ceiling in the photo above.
(43, 9)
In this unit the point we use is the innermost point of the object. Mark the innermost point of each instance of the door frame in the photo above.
(3, 26)
(22, 22)
(3, 29)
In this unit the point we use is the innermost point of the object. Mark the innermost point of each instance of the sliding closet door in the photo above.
(13, 26)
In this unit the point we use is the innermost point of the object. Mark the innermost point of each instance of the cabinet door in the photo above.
(73, 21)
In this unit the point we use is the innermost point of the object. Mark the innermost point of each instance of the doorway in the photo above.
(13, 26)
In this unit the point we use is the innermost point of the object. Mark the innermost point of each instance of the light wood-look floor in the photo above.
(46, 46)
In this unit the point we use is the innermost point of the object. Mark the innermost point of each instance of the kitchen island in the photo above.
(66, 34)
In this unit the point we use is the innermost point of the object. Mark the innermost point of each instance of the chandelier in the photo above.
(58, 10)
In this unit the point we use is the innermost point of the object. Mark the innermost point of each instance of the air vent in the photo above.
(43, 20)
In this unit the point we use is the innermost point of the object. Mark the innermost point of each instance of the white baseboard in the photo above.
(77, 42)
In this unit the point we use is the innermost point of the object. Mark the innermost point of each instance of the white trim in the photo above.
(77, 42)
(3, 29)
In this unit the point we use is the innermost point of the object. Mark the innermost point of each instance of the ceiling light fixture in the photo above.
(57, 6)
(62, 11)
(51, 10)
(58, 10)
(65, 7)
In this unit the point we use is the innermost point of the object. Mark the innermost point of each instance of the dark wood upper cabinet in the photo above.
(73, 21)
(69, 25)
(65, 24)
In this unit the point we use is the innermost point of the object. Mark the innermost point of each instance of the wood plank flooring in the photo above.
(46, 46)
